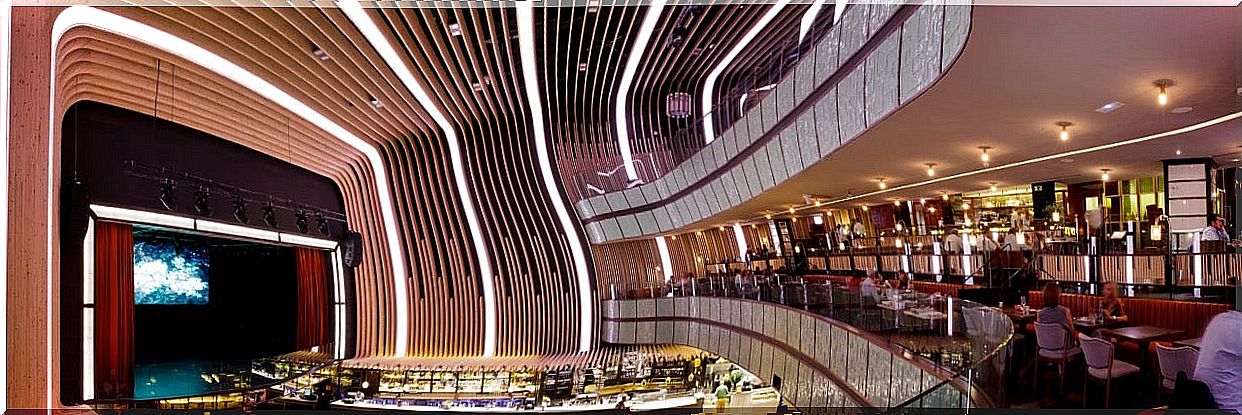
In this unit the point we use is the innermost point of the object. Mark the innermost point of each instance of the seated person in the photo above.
(1220, 360)
(903, 281)
(868, 284)
(1055, 313)
(1112, 307)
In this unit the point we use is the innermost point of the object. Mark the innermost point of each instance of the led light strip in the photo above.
(666, 263)
(353, 10)
(709, 86)
(627, 81)
(586, 301)
(808, 19)
(88, 313)
(6, 36)
(741, 241)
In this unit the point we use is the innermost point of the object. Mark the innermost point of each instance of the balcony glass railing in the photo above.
(965, 344)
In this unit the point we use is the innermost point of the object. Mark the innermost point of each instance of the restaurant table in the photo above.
(1142, 336)
(1089, 326)
(1196, 342)
(1019, 317)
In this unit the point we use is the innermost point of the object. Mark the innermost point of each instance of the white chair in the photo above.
(1174, 360)
(1101, 366)
(1055, 347)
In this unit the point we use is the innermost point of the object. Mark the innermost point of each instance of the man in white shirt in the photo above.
(953, 242)
(859, 230)
(1220, 360)
(1215, 231)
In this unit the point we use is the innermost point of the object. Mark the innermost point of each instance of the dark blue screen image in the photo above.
(168, 273)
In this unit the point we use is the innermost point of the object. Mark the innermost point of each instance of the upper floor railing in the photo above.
(915, 349)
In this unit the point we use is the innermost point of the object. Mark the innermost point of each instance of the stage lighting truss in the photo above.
(242, 197)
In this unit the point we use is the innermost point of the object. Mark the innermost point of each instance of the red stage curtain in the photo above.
(314, 299)
(114, 310)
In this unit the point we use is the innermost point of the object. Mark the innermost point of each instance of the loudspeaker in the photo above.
(351, 248)
(75, 210)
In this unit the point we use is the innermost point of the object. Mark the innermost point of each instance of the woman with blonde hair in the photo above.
(1111, 306)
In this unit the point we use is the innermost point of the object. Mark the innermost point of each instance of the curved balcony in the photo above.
(876, 59)
(827, 345)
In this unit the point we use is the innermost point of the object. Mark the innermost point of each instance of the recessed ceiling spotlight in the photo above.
(476, 86)
(454, 29)
(319, 53)
(1235, 160)
(984, 155)
(1179, 152)
(1104, 174)
(931, 169)
(1182, 110)
(1110, 107)
(1064, 129)
(375, 103)
(1163, 85)
(881, 182)
(582, 67)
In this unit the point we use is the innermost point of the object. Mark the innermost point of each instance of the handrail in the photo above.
(994, 340)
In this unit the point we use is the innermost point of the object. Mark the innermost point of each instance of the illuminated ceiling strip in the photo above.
(627, 81)
(666, 262)
(88, 313)
(839, 10)
(307, 241)
(6, 32)
(586, 301)
(709, 86)
(353, 10)
(138, 216)
(91, 17)
(808, 19)
(741, 241)
(240, 231)
(1050, 157)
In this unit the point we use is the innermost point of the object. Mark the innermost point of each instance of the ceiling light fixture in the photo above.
(1110, 107)
(239, 210)
(881, 181)
(931, 169)
(375, 103)
(983, 155)
(1181, 110)
(1064, 129)
(865, 208)
(1163, 85)
(993, 186)
(454, 29)
(944, 196)
(897, 202)
(1104, 174)
(269, 215)
(202, 202)
(319, 53)
(791, 211)
(582, 67)
(167, 198)
(1179, 152)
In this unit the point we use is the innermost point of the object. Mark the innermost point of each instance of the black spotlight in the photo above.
(202, 199)
(303, 224)
(166, 196)
(269, 215)
(239, 210)
(322, 225)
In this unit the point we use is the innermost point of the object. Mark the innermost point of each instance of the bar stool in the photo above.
(1101, 366)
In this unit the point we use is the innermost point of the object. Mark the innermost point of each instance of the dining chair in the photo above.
(1055, 347)
(1102, 367)
(1174, 360)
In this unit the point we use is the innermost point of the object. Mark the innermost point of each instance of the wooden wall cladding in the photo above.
(627, 264)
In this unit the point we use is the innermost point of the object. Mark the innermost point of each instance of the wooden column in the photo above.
(33, 371)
